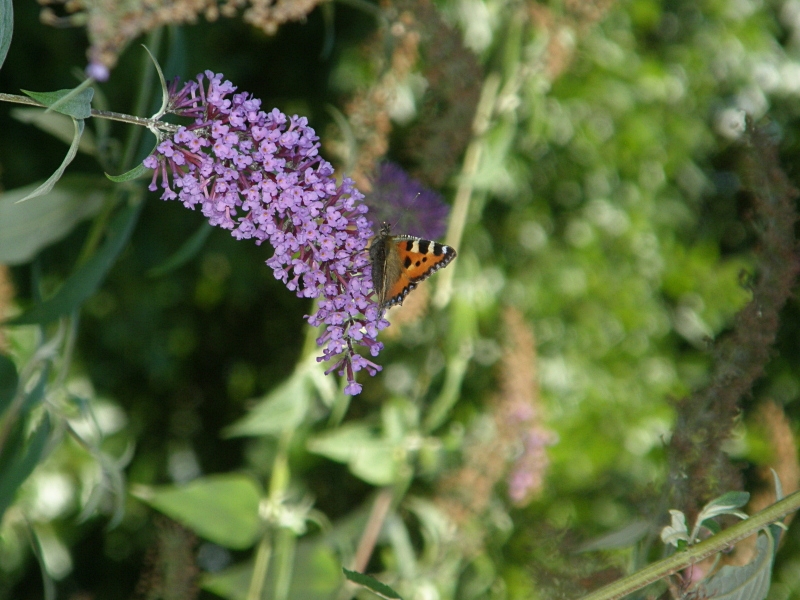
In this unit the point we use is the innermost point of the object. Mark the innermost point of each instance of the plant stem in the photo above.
(694, 554)
(466, 183)
(100, 114)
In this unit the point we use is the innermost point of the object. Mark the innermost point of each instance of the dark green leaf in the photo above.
(6, 28)
(383, 590)
(185, 253)
(134, 173)
(712, 526)
(223, 508)
(75, 103)
(22, 464)
(9, 379)
(86, 278)
(28, 227)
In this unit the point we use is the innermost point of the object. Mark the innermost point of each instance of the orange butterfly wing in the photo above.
(419, 259)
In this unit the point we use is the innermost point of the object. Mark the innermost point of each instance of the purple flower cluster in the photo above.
(406, 204)
(260, 175)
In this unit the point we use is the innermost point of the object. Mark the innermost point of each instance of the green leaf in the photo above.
(725, 504)
(86, 278)
(369, 457)
(185, 253)
(316, 575)
(750, 582)
(372, 584)
(134, 173)
(53, 179)
(75, 103)
(6, 28)
(220, 508)
(22, 464)
(676, 531)
(280, 410)
(56, 124)
(27, 228)
(9, 379)
(164, 89)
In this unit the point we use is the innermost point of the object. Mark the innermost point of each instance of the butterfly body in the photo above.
(401, 262)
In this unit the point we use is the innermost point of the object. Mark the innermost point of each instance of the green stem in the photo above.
(447, 398)
(466, 185)
(284, 562)
(100, 114)
(694, 554)
(263, 555)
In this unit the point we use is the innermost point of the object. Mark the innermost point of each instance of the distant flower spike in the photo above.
(260, 175)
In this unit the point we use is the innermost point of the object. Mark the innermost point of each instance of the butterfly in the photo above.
(401, 262)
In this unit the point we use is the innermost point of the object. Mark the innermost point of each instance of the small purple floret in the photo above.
(260, 176)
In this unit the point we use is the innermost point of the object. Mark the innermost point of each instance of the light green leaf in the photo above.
(27, 228)
(220, 508)
(750, 582)
(676, 531)
(372, 584)
(185, 253)
(282, 409)
(75, 103)
(86, 278)
(725, 504)
(9, 379)
(368, 456)
(6, 28)
(56, 124)
(73, 150)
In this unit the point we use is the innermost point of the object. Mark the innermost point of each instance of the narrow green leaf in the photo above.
(6, 28)
(86, 278)
(22, 464)
(222, 508)
(27, 228)
(57, 125)
(164, 89)
(280, 410)
(372, 584)
(36, 395)
(75, 103)
(134, 173)
(749, 582)
(51, 181)
(9, 379)
(185, 253)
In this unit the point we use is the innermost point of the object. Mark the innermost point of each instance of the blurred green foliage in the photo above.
(598, 192)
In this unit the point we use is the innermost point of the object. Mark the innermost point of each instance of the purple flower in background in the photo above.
(408, 206)
(260, 175)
